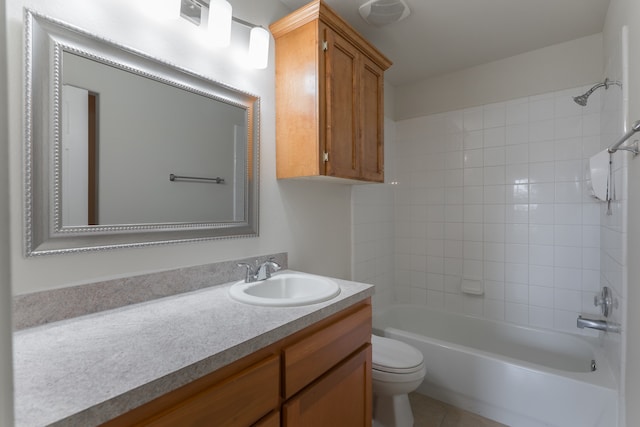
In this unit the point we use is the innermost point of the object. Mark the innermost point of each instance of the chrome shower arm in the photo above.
(582, 99)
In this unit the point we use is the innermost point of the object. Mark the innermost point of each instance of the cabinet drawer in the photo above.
(240, 400)
(315, 354)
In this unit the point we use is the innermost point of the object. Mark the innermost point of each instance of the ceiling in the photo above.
(441, 36)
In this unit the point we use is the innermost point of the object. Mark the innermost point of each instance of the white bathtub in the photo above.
(519, 376)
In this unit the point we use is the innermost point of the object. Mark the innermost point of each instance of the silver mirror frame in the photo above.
(45, 41)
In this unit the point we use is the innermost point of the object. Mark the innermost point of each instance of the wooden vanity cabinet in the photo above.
(320, 376)
(329, 98)
(244, 393)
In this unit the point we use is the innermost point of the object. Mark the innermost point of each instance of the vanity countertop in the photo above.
(89, 369)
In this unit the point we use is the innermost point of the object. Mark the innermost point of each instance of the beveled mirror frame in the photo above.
(45, 41)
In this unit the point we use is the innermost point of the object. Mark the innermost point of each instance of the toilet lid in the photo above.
(395, 356)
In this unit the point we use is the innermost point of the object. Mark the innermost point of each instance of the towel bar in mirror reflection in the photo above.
(216, 180)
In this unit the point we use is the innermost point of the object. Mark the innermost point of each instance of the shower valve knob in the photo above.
(605, 301)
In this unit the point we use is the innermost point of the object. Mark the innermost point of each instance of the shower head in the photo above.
(582, 99)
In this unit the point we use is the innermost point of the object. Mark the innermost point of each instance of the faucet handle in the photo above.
(266, 268)
(248, 271)
(605, 301)
(274, 265)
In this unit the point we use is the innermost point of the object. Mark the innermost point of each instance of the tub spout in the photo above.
(601, 325)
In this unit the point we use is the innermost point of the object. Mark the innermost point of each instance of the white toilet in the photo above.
(398, 369)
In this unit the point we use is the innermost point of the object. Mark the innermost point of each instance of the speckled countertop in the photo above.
(89, 369)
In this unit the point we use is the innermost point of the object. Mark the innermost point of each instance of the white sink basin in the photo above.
(285, 290)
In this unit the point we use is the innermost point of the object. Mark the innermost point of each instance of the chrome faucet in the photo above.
(601, 325)
(257, 272)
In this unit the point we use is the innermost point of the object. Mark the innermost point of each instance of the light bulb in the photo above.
(259, 47)
(220, 14)
(162, 11)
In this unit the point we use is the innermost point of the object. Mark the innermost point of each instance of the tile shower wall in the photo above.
(497, 193)
(372, 210)
(373, 240)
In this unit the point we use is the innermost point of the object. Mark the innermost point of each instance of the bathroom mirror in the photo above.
(122, 149)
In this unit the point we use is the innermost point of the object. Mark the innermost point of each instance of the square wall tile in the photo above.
(541, 172)
(494, 309)
(541, 296)
(494, 194)
(517, 293)
(517, 213)
(473, 139)
(515, 253)
(494, 214)
(494, 175)
(494, 156)
(473, 118)
(540, 132)
(473, 158)
(516, 154)
(494, 115)
(517, 111)
(517, 313)
(516, 134)
(541, 317)
(494, 233)
(494, 137)
(517, 273)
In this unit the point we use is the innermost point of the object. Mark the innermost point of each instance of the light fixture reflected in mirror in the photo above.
(220, 17)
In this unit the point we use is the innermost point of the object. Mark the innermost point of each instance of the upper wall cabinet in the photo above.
(329, 98)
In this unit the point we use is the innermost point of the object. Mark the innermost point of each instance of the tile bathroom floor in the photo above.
(428, 412)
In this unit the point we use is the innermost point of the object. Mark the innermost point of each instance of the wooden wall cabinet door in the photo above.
(372, 116)
(341, 75)
(329, 98)
(354, 111)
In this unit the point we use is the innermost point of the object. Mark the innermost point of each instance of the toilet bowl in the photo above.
(398, 369)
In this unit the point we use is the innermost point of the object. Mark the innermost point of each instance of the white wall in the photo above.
(627, 12)
(6, 372)
(561, 66)
(309, 220)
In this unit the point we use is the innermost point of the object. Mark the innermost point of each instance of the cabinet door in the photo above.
(341, 72)
(271, 420)
(372, 125)
(341, 398)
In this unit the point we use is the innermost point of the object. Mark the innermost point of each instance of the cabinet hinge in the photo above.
(325, 156)
(325, 46)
